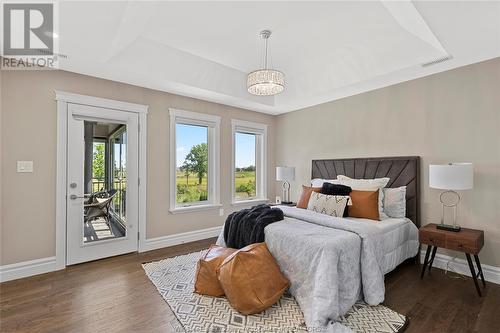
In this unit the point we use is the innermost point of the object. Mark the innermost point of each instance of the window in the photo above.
(249, 161)
(194, 154)
(191, 163)
(118, 170)
(98, 164)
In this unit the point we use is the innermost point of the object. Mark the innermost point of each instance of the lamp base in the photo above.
(448, 227)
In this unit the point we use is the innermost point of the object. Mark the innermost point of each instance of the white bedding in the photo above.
(400, 237)
(331, 262)
(400, 240)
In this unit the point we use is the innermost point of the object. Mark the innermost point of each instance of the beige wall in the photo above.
(28, 132)
(451, 116)
(1, 166)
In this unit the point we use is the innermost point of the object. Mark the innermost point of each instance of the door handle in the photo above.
(74, 197)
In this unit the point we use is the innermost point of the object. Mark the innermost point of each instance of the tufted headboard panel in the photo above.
(403, 171)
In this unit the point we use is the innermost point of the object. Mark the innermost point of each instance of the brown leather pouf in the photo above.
(251, 279)
(207, 282)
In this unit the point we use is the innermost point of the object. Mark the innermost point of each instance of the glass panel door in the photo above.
(102, 199)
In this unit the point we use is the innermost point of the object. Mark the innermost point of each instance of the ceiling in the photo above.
(327, 50)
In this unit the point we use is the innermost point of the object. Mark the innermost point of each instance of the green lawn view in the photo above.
(188, 189)
(245, 184)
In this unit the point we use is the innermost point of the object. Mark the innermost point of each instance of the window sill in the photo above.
(249, 202)
(194, 208)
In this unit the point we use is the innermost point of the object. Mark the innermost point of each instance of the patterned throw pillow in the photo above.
(333, 205)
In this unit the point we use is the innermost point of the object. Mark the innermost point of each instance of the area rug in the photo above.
(174, 279)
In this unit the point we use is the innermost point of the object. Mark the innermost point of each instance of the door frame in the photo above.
(63, 99)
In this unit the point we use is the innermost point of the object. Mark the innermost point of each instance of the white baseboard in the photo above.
(185, 237)
(460, 266)
(27, 268)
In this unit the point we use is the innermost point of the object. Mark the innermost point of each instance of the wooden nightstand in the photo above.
(468, 241)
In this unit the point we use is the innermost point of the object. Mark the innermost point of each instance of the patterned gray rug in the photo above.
(174, 279)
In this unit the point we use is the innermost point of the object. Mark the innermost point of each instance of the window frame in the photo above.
(212, 122)
(260, 131)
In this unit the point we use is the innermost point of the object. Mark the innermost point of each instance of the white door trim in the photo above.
(63, 98)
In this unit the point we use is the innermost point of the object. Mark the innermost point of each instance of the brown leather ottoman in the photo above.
(207, 282)
(251, 279)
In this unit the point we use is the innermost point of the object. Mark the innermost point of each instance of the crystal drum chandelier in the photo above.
(265, 82)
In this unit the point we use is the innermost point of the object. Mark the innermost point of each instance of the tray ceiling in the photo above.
(327, 50)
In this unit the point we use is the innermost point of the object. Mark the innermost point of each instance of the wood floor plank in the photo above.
(114, 295)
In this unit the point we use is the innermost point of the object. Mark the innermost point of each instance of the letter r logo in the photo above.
(28, 29)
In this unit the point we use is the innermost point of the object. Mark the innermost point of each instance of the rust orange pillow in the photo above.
(305, 195)
(364, 204)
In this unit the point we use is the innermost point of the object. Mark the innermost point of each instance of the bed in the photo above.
(332, 262)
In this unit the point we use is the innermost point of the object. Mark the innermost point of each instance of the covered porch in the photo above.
(105, 181)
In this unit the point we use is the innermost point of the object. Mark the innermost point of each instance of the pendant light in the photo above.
(265, 82)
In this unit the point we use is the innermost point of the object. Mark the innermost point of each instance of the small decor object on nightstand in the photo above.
(278, 200)
(451, 178)
(285, 174)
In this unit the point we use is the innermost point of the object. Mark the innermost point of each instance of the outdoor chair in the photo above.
(99, 204)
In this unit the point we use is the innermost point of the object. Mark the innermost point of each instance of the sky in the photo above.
(189, 136)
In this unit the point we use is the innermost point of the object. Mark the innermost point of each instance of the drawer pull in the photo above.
(431, 239)
(460, 245)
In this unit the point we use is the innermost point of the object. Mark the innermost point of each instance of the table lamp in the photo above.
(451, 177)
(285, 174)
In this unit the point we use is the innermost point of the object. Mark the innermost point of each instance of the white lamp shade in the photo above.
(453, 176)
(285, 173)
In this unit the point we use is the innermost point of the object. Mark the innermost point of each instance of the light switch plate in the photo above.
(24, 166)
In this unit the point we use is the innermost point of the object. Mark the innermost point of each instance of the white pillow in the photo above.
(318, 182)
(333, 205)
(360, 184)
(368, 185)
(395, 202)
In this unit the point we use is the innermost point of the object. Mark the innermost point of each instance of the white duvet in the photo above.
(332, 262)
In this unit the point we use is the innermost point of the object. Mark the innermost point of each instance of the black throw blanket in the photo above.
(246, 226)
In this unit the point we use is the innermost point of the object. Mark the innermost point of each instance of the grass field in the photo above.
(245, 184)
(188, 189)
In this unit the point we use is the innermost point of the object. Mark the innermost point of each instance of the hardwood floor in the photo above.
(442, 302)
(114, 295)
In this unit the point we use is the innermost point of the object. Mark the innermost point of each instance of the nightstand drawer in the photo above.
(462, 245)
(432, 238)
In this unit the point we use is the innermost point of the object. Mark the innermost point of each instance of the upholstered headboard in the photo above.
(403, 171)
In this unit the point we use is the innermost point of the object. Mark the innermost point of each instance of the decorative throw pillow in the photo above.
(363, 183)
(395, 202)
(337, 189)
(305, 195)
(207, 282)
(251, 279)
(364, 204)
(333, 205)
(318, 182)
(368, 185)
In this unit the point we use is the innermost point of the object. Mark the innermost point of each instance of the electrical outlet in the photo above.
(221, 212)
